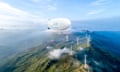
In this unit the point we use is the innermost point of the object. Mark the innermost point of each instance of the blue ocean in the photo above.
(105, 33)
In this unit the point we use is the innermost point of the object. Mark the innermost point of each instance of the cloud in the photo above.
(94, 12)
(52, 7)
(7, 10)
(57, 53)
(99, 2)
(36, 1)
(11, 16)
(97, 7)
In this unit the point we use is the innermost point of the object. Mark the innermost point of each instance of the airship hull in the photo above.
(59, 24)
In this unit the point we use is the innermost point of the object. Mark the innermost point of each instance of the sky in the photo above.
(38, 11)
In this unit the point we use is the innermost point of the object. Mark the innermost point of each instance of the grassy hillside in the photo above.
(37, 60)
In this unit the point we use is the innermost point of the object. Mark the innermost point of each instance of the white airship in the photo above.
(59, 24)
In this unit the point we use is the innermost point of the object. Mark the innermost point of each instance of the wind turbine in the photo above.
(71, 50)
(67, 38)
(88, 40)
(85, 61)
(77, 40)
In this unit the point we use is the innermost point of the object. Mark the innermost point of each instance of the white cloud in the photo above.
(10, 16)
(57, 53)
(52, 7)
(94, 12)
(41, 1)
(7, 9)
(48, 4)
(35, 1)
(99, 2)
(97, 7)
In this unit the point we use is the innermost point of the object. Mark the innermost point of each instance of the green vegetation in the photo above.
(37, 60)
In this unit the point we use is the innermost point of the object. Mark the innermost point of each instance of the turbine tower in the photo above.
(67, 38)
(85, 61)
(88, 41)
(71, 51)
(77, 40)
